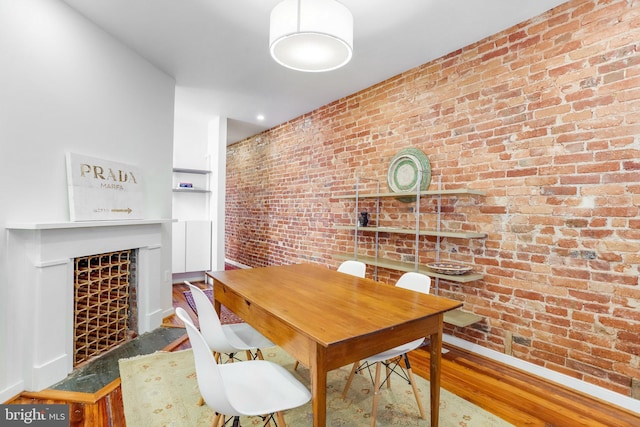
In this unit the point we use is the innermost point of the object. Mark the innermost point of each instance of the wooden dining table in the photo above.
(326, 319)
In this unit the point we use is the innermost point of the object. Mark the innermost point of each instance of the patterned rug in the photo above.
(161, 390)
(226, 315)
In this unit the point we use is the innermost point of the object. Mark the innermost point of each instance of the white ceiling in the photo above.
(217, 50)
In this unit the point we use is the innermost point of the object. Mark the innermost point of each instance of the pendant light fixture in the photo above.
(311, 35)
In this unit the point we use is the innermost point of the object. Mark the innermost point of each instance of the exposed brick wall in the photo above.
(544, 117)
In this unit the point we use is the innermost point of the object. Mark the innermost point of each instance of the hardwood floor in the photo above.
(513, 395)
(518, 397)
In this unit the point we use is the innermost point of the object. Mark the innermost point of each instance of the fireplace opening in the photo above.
(105, 311)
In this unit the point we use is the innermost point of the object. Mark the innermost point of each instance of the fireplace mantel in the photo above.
(82, 224)
(42, 258)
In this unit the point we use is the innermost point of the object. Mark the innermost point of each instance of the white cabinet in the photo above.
(191, 250)
(179, 246)
(191, 246)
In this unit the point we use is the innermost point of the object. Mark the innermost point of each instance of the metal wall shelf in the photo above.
(461, 318)
(409, 266)
(450, 234)
(452, 192)
(458, 318)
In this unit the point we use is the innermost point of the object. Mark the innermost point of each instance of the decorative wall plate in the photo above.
(403, 175)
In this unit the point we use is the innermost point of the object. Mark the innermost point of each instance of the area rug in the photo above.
(226, 315)
(161, 390)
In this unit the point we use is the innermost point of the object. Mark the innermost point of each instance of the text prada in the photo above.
(108, 174)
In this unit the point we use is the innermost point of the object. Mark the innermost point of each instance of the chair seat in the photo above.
(243, 336)
(254, 387)
(261, 387)
(395, 352)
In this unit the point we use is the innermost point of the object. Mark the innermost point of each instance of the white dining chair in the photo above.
(353, 267)
(227, 339)
(392, 358)
(248, 388)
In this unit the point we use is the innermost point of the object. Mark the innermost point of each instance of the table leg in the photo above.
(434, 376)
(318, 374)
(217, 305)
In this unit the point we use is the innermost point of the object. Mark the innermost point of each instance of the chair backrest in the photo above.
(355, 268)
(208, 375)
(210, 325)
(415, 282)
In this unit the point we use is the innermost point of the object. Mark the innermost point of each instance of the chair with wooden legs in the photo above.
(247, 388)
(392, 359)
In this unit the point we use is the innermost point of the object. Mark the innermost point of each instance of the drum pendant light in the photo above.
(311, 35)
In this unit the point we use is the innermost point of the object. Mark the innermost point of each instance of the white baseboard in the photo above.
(581, 386)
(235, 264)
(12, 391)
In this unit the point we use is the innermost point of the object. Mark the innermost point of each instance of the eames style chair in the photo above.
(226, 339)
(392, 358)
(248, 388)
(355, 268)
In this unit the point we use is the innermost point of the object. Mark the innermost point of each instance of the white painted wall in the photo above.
(66, 85)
